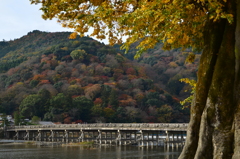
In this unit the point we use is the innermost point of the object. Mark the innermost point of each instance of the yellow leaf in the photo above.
(170, 41)
(73, 35)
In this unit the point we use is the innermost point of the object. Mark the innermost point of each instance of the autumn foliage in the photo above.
(82, 79)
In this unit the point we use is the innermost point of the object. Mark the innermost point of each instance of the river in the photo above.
(24, 151)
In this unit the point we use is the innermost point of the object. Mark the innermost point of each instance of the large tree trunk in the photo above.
(211, 132)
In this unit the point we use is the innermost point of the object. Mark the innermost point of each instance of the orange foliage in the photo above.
(127, 102)
(97, 78)
(45, 59)
(74, 96)
(44, 82)
(139, 97)
(89, 85)
(110, 84)
(151, 90)
(78, 80)
(176, 99)
(118, 70)
(142, 72)
(38, 77)
(130, 77)
(92, 91)
(173, 64)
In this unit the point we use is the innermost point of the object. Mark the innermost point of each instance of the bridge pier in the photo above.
(121, 134)
(16, 135)
(26, 136)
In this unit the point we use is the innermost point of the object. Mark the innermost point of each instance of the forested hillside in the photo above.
(63, 80)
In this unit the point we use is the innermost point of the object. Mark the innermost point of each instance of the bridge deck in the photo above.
(106, 126)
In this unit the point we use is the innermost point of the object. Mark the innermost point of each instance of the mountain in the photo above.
(82, 80)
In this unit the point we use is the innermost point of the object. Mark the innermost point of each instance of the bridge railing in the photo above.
(106, 125)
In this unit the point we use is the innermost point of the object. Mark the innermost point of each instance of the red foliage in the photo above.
(167, 59)
(53, 63)
(78, 121)
(44, 73)
(67, 58)
(10, 86)
(130, 71)
(71, 79)
(94, 59)
(123, 97)
(151, 119)
(51, 56)
(67, 120)
(176, 99)
(74, 96)
(98, 101)
(74, 69)
(12, 71)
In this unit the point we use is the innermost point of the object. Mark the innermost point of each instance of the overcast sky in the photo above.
(18, 17)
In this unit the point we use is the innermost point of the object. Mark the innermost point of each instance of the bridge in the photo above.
(102, 133)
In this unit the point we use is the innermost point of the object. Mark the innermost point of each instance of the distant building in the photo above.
(45, 123)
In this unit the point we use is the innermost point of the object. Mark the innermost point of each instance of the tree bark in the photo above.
(236, 154)
(211, 129)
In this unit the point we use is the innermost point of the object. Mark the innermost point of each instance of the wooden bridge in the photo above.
(102, 133)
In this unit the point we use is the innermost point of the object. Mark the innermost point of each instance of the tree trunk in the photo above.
(211, 132)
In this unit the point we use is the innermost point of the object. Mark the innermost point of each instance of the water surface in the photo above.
(23, 151)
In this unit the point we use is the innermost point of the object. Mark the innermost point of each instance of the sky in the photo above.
(18, 17)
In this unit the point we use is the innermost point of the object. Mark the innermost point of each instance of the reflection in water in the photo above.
(19, 151)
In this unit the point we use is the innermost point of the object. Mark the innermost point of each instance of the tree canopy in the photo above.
(212, 26)
(177, 23)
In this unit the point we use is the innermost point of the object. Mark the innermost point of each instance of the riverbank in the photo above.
(4, 141)
(24, 142)
(43, 143)
(89, 143)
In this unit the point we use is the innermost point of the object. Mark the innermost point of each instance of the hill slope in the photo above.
(50, 76)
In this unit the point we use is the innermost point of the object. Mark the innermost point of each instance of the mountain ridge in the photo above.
(85, 80)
